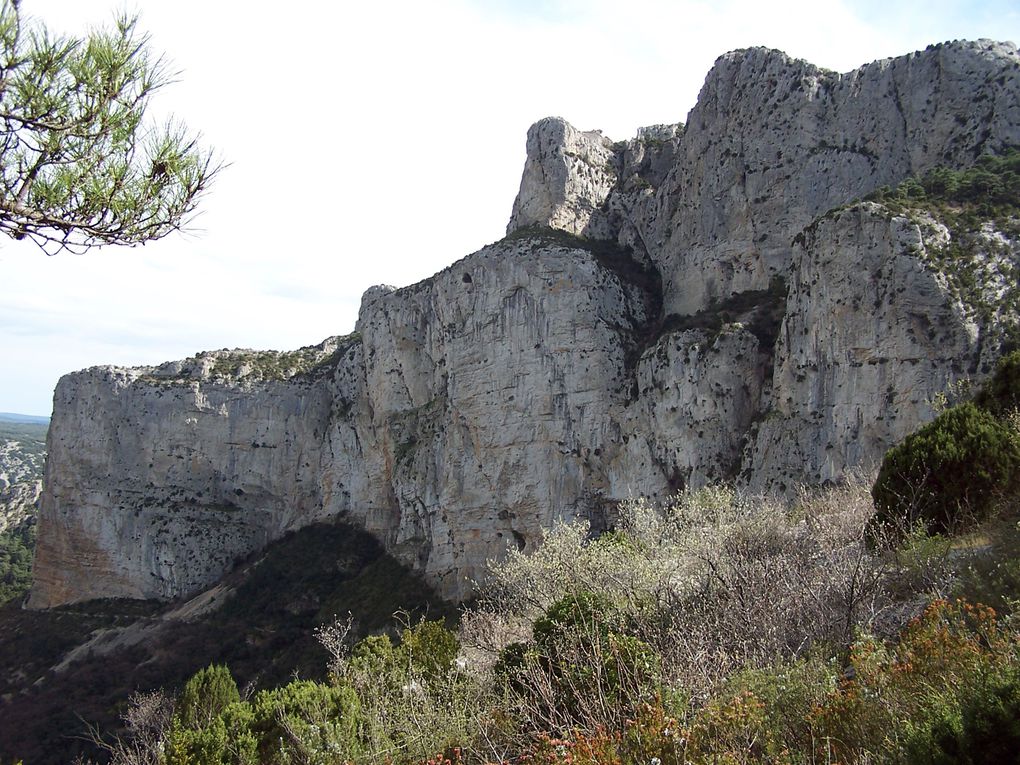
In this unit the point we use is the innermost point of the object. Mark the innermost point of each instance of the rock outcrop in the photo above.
(677, 309)
(567, 177)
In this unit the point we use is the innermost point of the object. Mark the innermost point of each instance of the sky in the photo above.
(377, 143)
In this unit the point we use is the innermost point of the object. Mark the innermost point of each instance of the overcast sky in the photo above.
(376, 143)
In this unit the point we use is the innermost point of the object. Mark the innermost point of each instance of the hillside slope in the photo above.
(66, 668)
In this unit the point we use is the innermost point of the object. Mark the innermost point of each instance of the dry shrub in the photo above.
(712, 582)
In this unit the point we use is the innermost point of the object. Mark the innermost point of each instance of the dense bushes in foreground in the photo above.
(956, 470)
(715, 629)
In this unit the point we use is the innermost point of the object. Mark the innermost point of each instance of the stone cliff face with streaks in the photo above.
(704, 302)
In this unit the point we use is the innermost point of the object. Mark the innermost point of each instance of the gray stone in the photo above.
(718, 321)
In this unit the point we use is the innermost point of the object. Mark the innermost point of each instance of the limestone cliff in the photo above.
(684, 307)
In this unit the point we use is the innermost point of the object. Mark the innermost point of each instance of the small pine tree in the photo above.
(1001, 394)
(206, 695)
(429, 648)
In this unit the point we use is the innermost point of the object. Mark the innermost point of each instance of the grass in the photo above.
(310, 362)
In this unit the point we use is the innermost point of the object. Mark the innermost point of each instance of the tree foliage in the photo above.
(206, 695)
(955, 469)
(992, 185)
(80, 165)
(17, 549)
(1001, 393)
(949, 473)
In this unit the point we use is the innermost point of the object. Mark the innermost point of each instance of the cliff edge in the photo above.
(708, 301)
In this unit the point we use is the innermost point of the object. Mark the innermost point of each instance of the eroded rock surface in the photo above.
(718, 320)
(567, 177)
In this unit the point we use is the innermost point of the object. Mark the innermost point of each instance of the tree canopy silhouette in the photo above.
(80, 166)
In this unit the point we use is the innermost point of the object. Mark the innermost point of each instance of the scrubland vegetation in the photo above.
(862, 623)
(715, 628)
(17, 549)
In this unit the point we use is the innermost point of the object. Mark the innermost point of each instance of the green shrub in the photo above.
(984, 729)
(373, 654)
(205, 696)
(950, 472)
(17, 549)
(584, 667)
(429, 648)
(914, 701)
(1001, 393)
(301, 722)
(991, 185)
(304, 722)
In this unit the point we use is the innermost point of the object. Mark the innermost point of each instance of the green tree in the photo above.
(429, 648)
(950, 472)
(206, 695)
(1001, 394)
(79, 164)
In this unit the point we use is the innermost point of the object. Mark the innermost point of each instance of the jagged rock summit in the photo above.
(707, 301)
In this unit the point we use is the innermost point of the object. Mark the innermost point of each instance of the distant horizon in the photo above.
(24, 418)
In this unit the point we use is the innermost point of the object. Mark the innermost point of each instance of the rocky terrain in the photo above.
(22, 455)
(22, 452)
(708, 301)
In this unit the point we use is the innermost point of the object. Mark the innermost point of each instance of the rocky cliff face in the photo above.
(665, 312)
(774, 142)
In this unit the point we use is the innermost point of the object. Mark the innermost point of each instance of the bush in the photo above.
(584, 668)
(17, 549)
(1001, 393)
(429, 648)
(205, 695)
(949, 473)
(913, 699)
(984, 729)
(301, 722)
(415, 699)
(305, 722)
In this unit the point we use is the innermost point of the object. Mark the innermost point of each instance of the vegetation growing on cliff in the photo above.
(988, 190)
(716, 628)
(22, 455)
(280, 365)
(978, 206)
(17, 549)
(311, 361)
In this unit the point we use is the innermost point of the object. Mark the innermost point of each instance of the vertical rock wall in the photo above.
(703, 329)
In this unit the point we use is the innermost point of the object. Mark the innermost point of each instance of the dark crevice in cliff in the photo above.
(620, 262)
(759, 311)
(607, 252)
